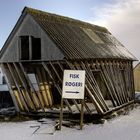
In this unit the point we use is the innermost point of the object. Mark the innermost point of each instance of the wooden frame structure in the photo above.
(116, 75)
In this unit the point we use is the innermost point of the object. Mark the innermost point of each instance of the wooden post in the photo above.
(82, 114)
(61, 114)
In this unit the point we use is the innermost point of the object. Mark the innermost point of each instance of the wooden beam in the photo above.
(98, 107)
(28, 94)
(47, 86)
(97, 89)
(31, 86)
(56, 85)
(23, 100)
(60, 79)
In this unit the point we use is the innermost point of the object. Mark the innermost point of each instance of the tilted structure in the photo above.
(42, 45)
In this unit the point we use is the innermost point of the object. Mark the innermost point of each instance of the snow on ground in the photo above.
(124, 127)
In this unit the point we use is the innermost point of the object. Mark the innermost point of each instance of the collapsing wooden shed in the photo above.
(42, 45)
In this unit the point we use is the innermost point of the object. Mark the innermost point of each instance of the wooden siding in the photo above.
(29, 27)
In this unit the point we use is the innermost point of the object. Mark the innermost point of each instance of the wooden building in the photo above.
(137, 77)
(42, 45)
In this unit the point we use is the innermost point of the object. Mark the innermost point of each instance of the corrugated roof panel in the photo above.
(80, 40)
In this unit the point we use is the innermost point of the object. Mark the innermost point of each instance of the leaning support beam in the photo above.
(112, 98)
(28, 94)
(85, 105)
(94, 92)
(109, 81)
(98, 107)
(19, 90)
(60, 79)
(56, 85)
(46, 96)
(115, 77)
(29, 82)
(96, 87)
(47, 87)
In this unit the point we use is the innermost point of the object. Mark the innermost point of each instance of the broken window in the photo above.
(24, 52)
(30, 48)
(36, 48)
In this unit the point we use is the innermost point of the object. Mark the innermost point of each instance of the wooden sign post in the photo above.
(73, 88)
(82, 114)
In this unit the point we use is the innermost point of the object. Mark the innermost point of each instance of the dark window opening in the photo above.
(30, 48)
(36, 48)
(5, 100)
(24, 48)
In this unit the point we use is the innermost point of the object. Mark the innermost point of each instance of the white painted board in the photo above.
(73, 84)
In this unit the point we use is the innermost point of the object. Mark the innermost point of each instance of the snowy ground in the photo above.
(120, 128)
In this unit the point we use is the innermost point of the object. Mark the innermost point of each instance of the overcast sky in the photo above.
(121, 17)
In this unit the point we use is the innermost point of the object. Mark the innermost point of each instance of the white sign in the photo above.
(73, 84)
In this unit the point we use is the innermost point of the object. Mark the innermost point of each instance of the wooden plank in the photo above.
(96, 86)
(93, 87)
(113, 82)
(122, 82)
(106, 83)
(116, 82)
(56, 85)
(85, 105)
(23, 100)
(31, 86)
(60, 79)
(99, 109)
(47, 87)
(41, 86)
(109, 81)
(28, 94)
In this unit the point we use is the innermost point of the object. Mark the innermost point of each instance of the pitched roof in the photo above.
(78, 39)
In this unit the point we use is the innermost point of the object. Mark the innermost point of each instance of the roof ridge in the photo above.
(61, 18)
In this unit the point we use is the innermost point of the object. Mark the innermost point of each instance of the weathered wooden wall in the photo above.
(29, 27)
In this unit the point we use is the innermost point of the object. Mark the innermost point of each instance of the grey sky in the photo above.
(121, 17)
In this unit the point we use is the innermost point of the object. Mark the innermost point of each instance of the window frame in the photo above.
(30, 46)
